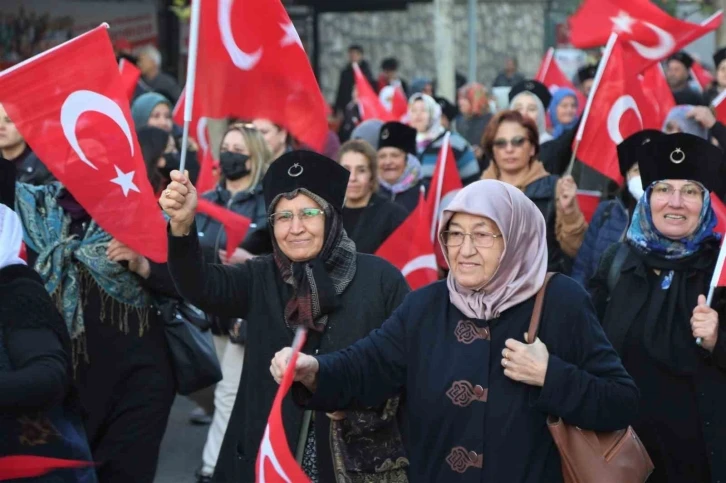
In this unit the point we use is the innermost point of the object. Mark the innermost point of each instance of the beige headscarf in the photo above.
(523, 265)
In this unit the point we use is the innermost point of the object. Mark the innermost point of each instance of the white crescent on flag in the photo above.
(620, 107)
(665, 45)
(240, 58)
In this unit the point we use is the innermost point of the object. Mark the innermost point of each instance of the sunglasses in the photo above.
(516, 142)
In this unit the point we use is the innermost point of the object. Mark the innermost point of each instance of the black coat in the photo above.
(618, 309)
(407, 199)
(255, 291)
(370, 226)
(347, 81)
(434, 353)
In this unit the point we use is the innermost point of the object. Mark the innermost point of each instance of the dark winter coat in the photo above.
(542, 193)
(429, 349)
(407, 199)
(369, 227)
(256, 292)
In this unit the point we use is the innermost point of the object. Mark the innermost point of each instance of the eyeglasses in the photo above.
(516, 142)
(689, 192)
(480, 239)
(284, 218)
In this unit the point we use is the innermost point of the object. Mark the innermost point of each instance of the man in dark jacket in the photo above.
(347, 79)
(13, 148)
(677, 72)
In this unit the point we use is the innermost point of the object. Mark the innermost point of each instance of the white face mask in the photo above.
(635, 186)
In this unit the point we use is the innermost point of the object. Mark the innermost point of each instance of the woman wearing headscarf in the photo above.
(478, 395)
(108, 298)
(697, 120)
(474, 106)
(160, 155)
(315, 279)
(650, 294)
(719, 83)
(243, 158)
(40, 414)
(425, 116)
(511, 143)
(563, 111)
(368, 219)
(399, 171)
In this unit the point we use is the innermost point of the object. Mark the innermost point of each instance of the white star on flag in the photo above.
(291, 36)
(623, 22)
(125, 181)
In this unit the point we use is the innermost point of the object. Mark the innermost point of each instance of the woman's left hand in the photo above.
(239, 255)
(118, 252)
(704, 324)
(525, 363)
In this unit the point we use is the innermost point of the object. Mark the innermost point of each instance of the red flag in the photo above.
(552, 76)
(399, 109)
(206, 180)
(588, 201)
(369, 102)
(649, 31)
(252, 64)
(235, 226)
(719, 107)
(616, 107)
(719, 274)
(658, 92)
(275, 463)
(199, 131)
(24, 466)
(702, 76)
(70, 106)
(410, 249)
(129, 77)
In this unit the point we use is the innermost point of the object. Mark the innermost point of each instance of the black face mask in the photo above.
(172, 163)
(234, 165)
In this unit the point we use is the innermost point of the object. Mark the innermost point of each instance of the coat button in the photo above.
(479, 391)
(473, 456)
(708, 423)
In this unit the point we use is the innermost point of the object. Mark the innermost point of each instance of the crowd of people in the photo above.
(434, 385)
(24, 33)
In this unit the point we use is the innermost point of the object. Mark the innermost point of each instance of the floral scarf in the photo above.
(64, 260)
(410, 177)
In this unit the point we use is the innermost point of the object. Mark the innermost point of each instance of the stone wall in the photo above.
(514, 27)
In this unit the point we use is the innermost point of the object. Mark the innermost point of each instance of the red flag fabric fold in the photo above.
(369, 102)
(702, 76)
(658, 92)
(25, 466)
(275, 462)
(130, 75)
(70, 105)
(552, 76)
(235, 226)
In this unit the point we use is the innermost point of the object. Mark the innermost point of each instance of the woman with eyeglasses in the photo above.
(314, 279)
(244, 156)
(650, 292)
(512, 142)
(477, 392)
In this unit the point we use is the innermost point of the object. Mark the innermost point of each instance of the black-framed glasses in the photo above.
(516, 142)
(689, 192)
(284, 218)
(480, 239)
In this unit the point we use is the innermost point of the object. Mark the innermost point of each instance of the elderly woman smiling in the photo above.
(473, 415)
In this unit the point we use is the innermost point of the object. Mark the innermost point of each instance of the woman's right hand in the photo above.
(306, 368)
(179, 202)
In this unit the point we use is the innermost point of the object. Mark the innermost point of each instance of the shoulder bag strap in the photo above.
(537, 311)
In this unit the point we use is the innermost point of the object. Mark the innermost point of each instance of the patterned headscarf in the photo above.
(316, 283)
(645, 237)
(476, 94)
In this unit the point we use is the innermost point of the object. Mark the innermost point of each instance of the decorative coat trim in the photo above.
(463, 393)
(461, 460)
(467, 332)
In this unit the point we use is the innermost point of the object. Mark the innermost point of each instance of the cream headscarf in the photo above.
(544, 136)
(523, 265)
(11, 237)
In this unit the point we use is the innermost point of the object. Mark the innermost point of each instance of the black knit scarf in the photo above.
(317, 283)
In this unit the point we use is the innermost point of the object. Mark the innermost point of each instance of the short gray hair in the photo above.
(152, 52)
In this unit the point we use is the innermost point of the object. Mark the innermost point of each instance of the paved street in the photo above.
(181, 450)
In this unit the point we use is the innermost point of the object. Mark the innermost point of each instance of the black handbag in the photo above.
(194, 357)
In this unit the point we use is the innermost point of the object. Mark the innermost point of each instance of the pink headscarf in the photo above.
(523, 265)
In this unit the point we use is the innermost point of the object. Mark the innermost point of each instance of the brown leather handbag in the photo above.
(589, 456)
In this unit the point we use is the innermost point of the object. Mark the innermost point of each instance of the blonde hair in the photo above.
(260, 154)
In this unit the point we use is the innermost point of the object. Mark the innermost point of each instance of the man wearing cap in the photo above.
(655, 313)
(314, 279)
(719, 83)
(678, 74)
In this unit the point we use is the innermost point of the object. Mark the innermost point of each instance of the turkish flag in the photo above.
(25, 466)
(368, 101)
(552, 76)
(702, 76)
(70, 106)
(235, 226)
(719, 274)
(200, 133)
(445, 183)
(129, 76)
(275, 463)
(617, 108)
(658, 92)
(252, 64)
(650, 32)
(719, 107)
(587, 201)
(399, 107)
(410, 249)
